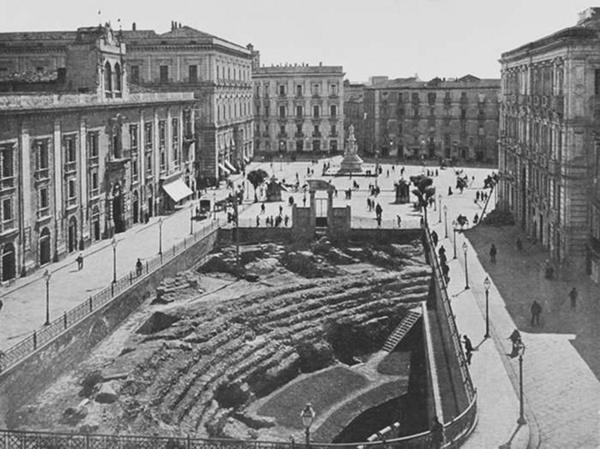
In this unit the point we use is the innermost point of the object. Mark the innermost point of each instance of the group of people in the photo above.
(481, 196)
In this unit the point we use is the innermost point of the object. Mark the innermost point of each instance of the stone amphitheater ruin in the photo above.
(216, 355)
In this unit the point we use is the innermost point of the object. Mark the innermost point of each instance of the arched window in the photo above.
(107, 77)
(117, 82)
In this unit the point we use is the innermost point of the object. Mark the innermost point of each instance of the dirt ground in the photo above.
(216, 339)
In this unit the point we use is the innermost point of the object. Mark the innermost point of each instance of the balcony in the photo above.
(71, 202)
(7, 182)
(42, 174)
(70, 167)
(316, 134)
(8, 226)
(93, 161)
(43, 213)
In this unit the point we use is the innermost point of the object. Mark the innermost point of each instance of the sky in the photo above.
(394, 38)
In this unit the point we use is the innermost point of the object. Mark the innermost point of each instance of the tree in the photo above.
(424, 192)
(256, 178)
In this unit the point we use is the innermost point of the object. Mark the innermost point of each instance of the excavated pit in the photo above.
(230, 337)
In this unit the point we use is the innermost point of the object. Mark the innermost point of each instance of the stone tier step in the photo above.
(402, 329)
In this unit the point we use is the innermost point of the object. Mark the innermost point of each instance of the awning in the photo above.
(225, 170)
(230, 167)
(177, 190)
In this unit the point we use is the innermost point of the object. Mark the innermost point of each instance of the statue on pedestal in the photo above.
(351, 163)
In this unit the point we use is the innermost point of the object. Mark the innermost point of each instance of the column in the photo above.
(156, 158)
(28, 213)
(58, 189)
(169, 142)
(84, 231)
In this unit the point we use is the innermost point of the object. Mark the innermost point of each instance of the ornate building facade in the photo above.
(409, 118)
(299, 108)
(549, 155)
(218, 72)
(86, 158)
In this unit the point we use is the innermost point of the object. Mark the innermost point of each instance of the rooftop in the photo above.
(467, 81)
(37, 101)
(298, 69)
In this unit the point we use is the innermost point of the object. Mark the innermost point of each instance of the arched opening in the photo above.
(117, 82)
(44, 246)
(117, 205)
(8, 262)
(136, 205)
(96, 223)
(107, 77)
(72, 235)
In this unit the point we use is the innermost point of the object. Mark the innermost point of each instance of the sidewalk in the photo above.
(497, 402)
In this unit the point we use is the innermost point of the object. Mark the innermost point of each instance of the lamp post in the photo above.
(191, 218)
(464, 246)
(521, 419)
(160, 223)
(486, 284)
(440, 208)
(307, 415)
(114, 247)
(214, 205)
(47, 276)
(446, 220)
(454, 223)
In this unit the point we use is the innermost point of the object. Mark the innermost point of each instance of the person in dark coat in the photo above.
(573, 297)
(434, 238)
(445, 271)
(515, 339)
(468, 348)
(441, 251)
(493, 252)
(536, 311)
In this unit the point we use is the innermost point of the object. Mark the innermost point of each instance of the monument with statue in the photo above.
(351, 163)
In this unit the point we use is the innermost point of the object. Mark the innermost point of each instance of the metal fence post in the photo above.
(112, 289)
(91, 305)
(65, 319)
(130, 278)
(146, 267)
(34, 340)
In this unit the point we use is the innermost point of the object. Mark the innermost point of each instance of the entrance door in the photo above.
(136, 206)
(96, 223)
(118, 213)
(44, 246)
(8, 262)
(321, 212)
(72, 240)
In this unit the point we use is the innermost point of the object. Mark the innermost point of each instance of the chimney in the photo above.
(133, 26)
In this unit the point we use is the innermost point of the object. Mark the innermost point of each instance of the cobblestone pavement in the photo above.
(561, 362)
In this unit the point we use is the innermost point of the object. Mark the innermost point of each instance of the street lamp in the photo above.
(486, 284)
(440, 208)
(191, 218)
(454, 223)
(160, 223)
(307, 415)
(446, 220)
(464, 246)
(47, 276)
(521, 419)
(114, 247)
(214, 205)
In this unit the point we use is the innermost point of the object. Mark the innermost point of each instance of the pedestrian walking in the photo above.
(441, 251)
(437, 434)
(280, 209)
(138, 267)
(493, 252)
(257, 221)
(515, 339)
(262, 208)
(477, 196)
(378, 221)
(449, 190)
(434, 238)
(536, 311)
(573, 297)
(378, 210)
(79, 261)
(399, 220)
(468, 348)
(286, 220)
(445, 271)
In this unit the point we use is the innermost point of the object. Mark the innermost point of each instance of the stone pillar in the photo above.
(23, 150)
(58, 190)
(84, 230)
(156, 164)
(142, 168)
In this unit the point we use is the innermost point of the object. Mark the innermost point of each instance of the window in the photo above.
(133, 137)
(266, 110)
(43, 200)
(70, 153)
(193, 73)
(333, 145)
(316, 145)
(431, 98)
(148, 135)
(41, 150)
(149, 164)
(333, 90)
(282, 129)
(7, 163)
(175, 135)
(164, 73)
(299, 128)
(316, 89)
(316, 111)
(94, 183)
(299, 90)
(134, 169)
(333, 130)
(71, 189)
(333, 110)
(415, 97)
(299, 111)
(162, 133)
(316, 131)
(282, 111)
(7, 213)
(135, 74)
(281, 89)
(463, 113)
(92, 145)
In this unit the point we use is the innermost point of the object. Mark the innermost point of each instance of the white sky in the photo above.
(396, 38)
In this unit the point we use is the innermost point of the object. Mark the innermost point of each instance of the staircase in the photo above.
(402, 329)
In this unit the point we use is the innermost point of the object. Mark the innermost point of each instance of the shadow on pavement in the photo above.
(519, 277)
